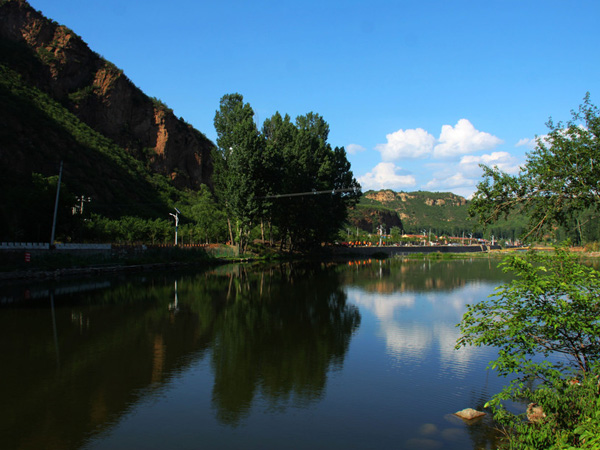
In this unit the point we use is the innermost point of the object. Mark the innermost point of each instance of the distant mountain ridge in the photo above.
(55, 60)
(442, 212)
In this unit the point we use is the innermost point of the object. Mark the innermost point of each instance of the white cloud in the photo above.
(526, 142)
(406, 144)
(353, 149)
(463, 139)
(453, 179)
(450, 182)
(503, 160)
(532, 143)
(386, 175)
(383, 305)
(406, 339)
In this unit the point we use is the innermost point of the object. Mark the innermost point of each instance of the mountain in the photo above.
(61, 101)
(442, 212)
(55, 60)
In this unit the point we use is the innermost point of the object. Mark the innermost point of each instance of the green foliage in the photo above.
(30, 199)
(301, 161)
(81, 95)
(208, 220)
(48, 133)
(569, 415)
(46, 56)
(160, 105)
(559, 180)
(237, 163)
(443, 213)
(550, 309)
(264, 177)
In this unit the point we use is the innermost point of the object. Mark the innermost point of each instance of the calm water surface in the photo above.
(352, 355)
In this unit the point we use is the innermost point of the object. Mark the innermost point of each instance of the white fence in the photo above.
(46, 246)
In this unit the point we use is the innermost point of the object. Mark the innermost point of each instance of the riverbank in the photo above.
(48, 264)
(405, 250)
(40, 264)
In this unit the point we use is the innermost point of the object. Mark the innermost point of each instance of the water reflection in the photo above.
(353, 355)
(75, 363)
(277, 341)
(419, 303)
(416, 306)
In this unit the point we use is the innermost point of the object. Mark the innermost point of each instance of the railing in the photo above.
(46, 246)
(24, 246)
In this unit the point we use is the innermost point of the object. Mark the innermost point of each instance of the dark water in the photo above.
(355, 355)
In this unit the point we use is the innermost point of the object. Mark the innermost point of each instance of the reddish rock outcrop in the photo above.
(61, 64)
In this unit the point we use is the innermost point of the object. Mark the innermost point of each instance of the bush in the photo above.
(550, 309)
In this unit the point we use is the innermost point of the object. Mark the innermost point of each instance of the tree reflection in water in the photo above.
(282, 331)
(272, 332)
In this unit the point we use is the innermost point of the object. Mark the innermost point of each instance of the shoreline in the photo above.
(82, 270)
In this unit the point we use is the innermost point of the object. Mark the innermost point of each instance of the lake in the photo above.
(354, 355)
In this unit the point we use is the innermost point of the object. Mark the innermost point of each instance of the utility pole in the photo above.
(81, 200)
(56, 205)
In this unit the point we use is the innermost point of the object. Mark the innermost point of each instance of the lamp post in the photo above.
(381, 230)
(176, 216)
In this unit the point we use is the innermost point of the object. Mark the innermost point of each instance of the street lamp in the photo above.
(381, 230)
(176, 216)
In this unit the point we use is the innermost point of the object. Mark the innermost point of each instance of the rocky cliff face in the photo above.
(60, 63)
(368, 220)
(388, 196)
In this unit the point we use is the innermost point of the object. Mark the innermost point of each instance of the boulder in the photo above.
(469, 414)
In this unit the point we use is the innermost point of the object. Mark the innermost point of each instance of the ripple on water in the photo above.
(423, 444)
(454, 434)
(428, 429)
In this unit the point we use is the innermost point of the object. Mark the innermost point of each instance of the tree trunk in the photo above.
(230, 231)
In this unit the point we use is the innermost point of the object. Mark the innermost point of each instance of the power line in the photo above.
(313, 192)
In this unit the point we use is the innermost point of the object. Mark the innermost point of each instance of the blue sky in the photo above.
(419, 93)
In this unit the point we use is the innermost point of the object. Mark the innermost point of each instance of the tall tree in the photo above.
(237, 164)
(279, 134)
(560, 178)
(304, 163)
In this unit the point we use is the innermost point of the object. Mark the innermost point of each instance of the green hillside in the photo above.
(443, 213)
(37, 133)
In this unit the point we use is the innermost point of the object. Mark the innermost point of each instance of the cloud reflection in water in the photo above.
(417, 325)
